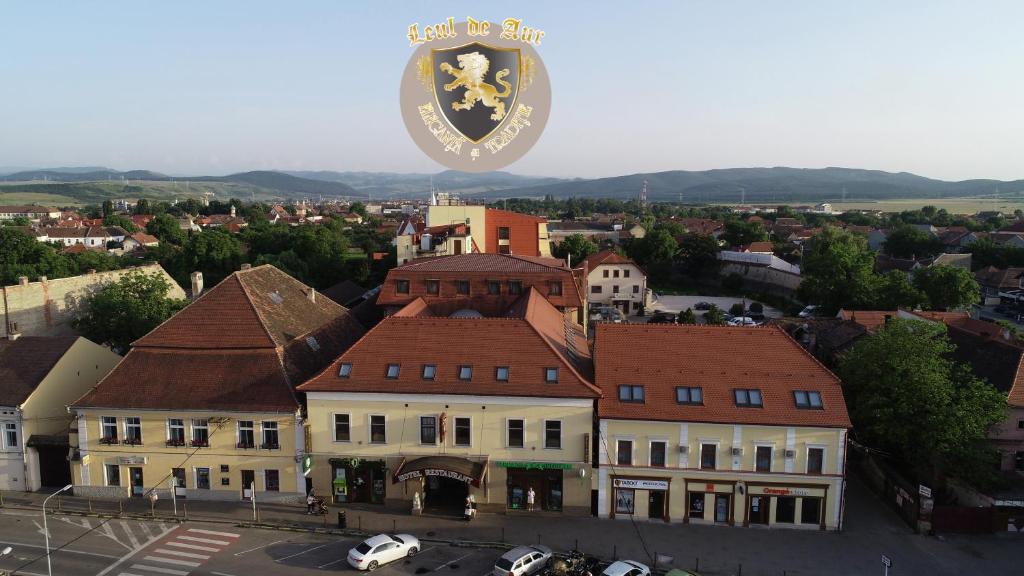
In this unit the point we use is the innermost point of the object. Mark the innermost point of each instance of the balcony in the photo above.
(175, 442)
(108, 440)
(197, 443)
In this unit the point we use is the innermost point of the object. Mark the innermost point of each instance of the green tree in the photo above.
(142, 206)
(698, 254)
(907, 397)
(714, 316)
(16, 221)
(576, 246)
(358, 208)
(895, 291)
(118, 220)
(215, 252)
(739, 233)
(947, 286)
(108, 208)
(687, 317)
(736, 309)
(909, 242)
(124, 311)
(93, 260)
(23, 255)
(166, 229)
(838, 271)
(658, 246)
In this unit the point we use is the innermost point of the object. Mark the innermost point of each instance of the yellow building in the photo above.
(717, 425)
(205, 402)
(437, 408)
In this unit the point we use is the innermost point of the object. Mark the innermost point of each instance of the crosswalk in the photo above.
(180, 554)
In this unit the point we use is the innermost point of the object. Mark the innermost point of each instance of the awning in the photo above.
(443, 466)
(48, 441)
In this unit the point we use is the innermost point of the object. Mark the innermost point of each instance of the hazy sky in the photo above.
(931, 87)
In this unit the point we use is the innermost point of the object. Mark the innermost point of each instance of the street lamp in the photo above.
(46, 531)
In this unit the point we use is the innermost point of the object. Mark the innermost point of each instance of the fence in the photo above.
(965, 519)
(892, 488)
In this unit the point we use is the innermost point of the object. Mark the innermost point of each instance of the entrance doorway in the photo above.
(458, 247)
(178, 477)
(135, 478)
(656, 504)
(53, 466)
(445, 495)
(758, 513)
(721, 508)
(248, 477)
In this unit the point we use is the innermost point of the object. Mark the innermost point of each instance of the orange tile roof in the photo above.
(875, 319)
(606, 257)
(535, 336)
(719, 359)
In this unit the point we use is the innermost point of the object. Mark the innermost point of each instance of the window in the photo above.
(463, 429)
(10, 435)
(345, 370)
(392, 371)
(378, 430)
(658, 450)
(203, 478)
(785, 509)
(625, 273)
(200, 432)
(402, 286)
(696, 504)
(113, 475)
(624, 500)
(272, 480)
(690, 395)
(271, 441)
(515, 287)
(429, 371)
(810, 511)
(554, 288)
(553, 434)
(178, 476)
(428, 429)
(246, 434)
(606, 273)
(807, 400)
(815, 460)
(708, 456)
(748, 398)
(624, 452)
(615, 274)
(342, 428)
(133, 430)
(1020, 424)
(551, 375)
(595, 289)
(462, 287)
(493, 287)
(504, 249)
(433, 287)
(108, 430)
(628, 393)
(503, 233)
(636, 288)
(175, 432)
(763, 459)
(501, 373)
(311, 341)
(465, 372)
(516, 432)
(615, 289)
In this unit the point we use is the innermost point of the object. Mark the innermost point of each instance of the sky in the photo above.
(208, 88)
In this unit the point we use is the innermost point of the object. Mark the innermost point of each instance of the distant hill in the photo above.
(384, 185)
(93, 174)
(768, 185)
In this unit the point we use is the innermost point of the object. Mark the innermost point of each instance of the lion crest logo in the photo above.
(466, 85)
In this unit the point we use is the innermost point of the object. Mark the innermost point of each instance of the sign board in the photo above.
(434, 472)
(924, 491)
(131, 460)
(307, 464)
(787, 491)
(886, 561)
(534, 465)
(640, 484)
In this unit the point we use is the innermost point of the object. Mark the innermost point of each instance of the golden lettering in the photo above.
(518, 121)
(513, 29)
(440, 31)
(451, 141)
(475, 28)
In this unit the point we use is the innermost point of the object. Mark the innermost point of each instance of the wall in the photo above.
(444, 215)
(1008, 437)
(636, 278)
(47, 308)
(526, 236)
(12, 458)
(763, 275)
(88, 475)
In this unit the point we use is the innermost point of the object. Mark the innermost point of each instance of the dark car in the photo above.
(662, 318)
(702, 306)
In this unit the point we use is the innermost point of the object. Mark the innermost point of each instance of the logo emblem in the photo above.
(475, 97)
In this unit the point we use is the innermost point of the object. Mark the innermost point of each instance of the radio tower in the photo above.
(643, 197)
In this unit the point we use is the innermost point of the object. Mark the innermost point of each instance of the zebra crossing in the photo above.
(180, 554)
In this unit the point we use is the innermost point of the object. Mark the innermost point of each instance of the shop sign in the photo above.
(131, 460)
(787, 491)
(434, 472)
(640, 484)
(534, 465)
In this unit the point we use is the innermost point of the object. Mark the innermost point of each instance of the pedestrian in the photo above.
(530, 496)
(310, 502)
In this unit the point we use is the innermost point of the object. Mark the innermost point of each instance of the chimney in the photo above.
(311, 295)
(22, 280)
(197, 284)
(246, 266)
(232, 210)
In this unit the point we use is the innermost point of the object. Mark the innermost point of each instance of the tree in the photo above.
(895, 291)
(108, 208)
(166, 229)
(910, 242)
(698, 254)
(576, 246)
(838, 271)
(739, 233)
(142, 206)
(736, 309)
(23, 255)
(947, 286)
(358, 208)
(216, 253)
(17, 221)
(118, 220)
(687, 317)
(93, 260)
(714, 316)
(906, 396)
(126, 310)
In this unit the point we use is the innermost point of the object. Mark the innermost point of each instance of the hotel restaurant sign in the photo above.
(409, 475)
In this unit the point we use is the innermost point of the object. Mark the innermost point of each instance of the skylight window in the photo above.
(808, 399)
(748, 397)
(690, 395)
(345, 370)
(276, 298)
(465, 372)
(501, 374)
(628, 393)
(393, 370)
(429, 371)
(313, 344)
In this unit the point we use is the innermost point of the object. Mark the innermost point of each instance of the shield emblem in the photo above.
(476, 86)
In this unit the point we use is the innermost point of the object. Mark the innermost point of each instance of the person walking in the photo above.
(530, 496)
(310, 502)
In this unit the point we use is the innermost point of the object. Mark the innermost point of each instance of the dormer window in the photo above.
(392, 371)
(748, 397)
(462, 287)
(554, 288)
(433, 287)
(345, 370)
(465, 372)
(501, 373)
(493, 287)
(402, 286)
(628, 393)
(808, 399)
(429, 371)
(515, 287)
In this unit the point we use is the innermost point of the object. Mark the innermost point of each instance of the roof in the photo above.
(765, 247)
(719, 359)
(143, 238)
(872, 320)
(999, 277)
(605, 257)
(345, 292)
(956, 260)
(241, 346)
(26, 209)
(534, 336)
(484, 263)
(25, 362)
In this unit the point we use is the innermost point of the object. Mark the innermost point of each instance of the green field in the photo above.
(15, 198)
(82, 193)
(952, 205)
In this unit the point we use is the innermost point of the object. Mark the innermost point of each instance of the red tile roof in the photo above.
(535, 336)
(719, 359)
(606, 257)
(485, 263)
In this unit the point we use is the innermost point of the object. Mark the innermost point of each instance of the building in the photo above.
(39, 377)
(766, 271)
(434, 408)
(206, 401)
(503, 232)
(433, 241)
(717, 425)
(614, 280)
(995, 280)
(33, 213)
(140, 240)
(88, 236)
(486, 283)
(47, 307)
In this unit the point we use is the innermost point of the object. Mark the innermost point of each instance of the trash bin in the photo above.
(341, 519)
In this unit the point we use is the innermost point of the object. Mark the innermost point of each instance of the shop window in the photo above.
(554, 289)
(763, 459)
(624, 452)
(433, 287)
(402, 286)
(202, 478)
(342, 428)
(810, 511)
(785, 509)
(815, 460)
(133, 430)
(272, 479)
(462, 287)
(113, 475)
(708, 456)
(748, 397)
(493, 287)
(624, 501)
(553, 434)
(501, 373)
(246, 434)
(551, 375)
(175, 432)
(463, 432)
(108, 430)
(465, 372)
(378, 429)
(271, 440)
(429, 371)
(200, 432)
(516, 432)
(658, 454)
(690, 395)
(393, 371)
(428, 429)
(345, 370)
(629, 393)
(595, 289)
(696, 504)
(807, 399)
(515, 287)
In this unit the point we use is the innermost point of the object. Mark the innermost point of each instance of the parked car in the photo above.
(522, 560)
(662, 318)
(702, 306)
(373, 553)
(809, 312)
(626, 568)
(742, 321)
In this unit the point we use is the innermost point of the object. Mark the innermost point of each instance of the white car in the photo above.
(809, 312)
(626, 568)
(522, 560)
(373, 553)
(742, 321)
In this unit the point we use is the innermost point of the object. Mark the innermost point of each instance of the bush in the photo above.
(733, 281)
(736, 309)
(757, 308)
